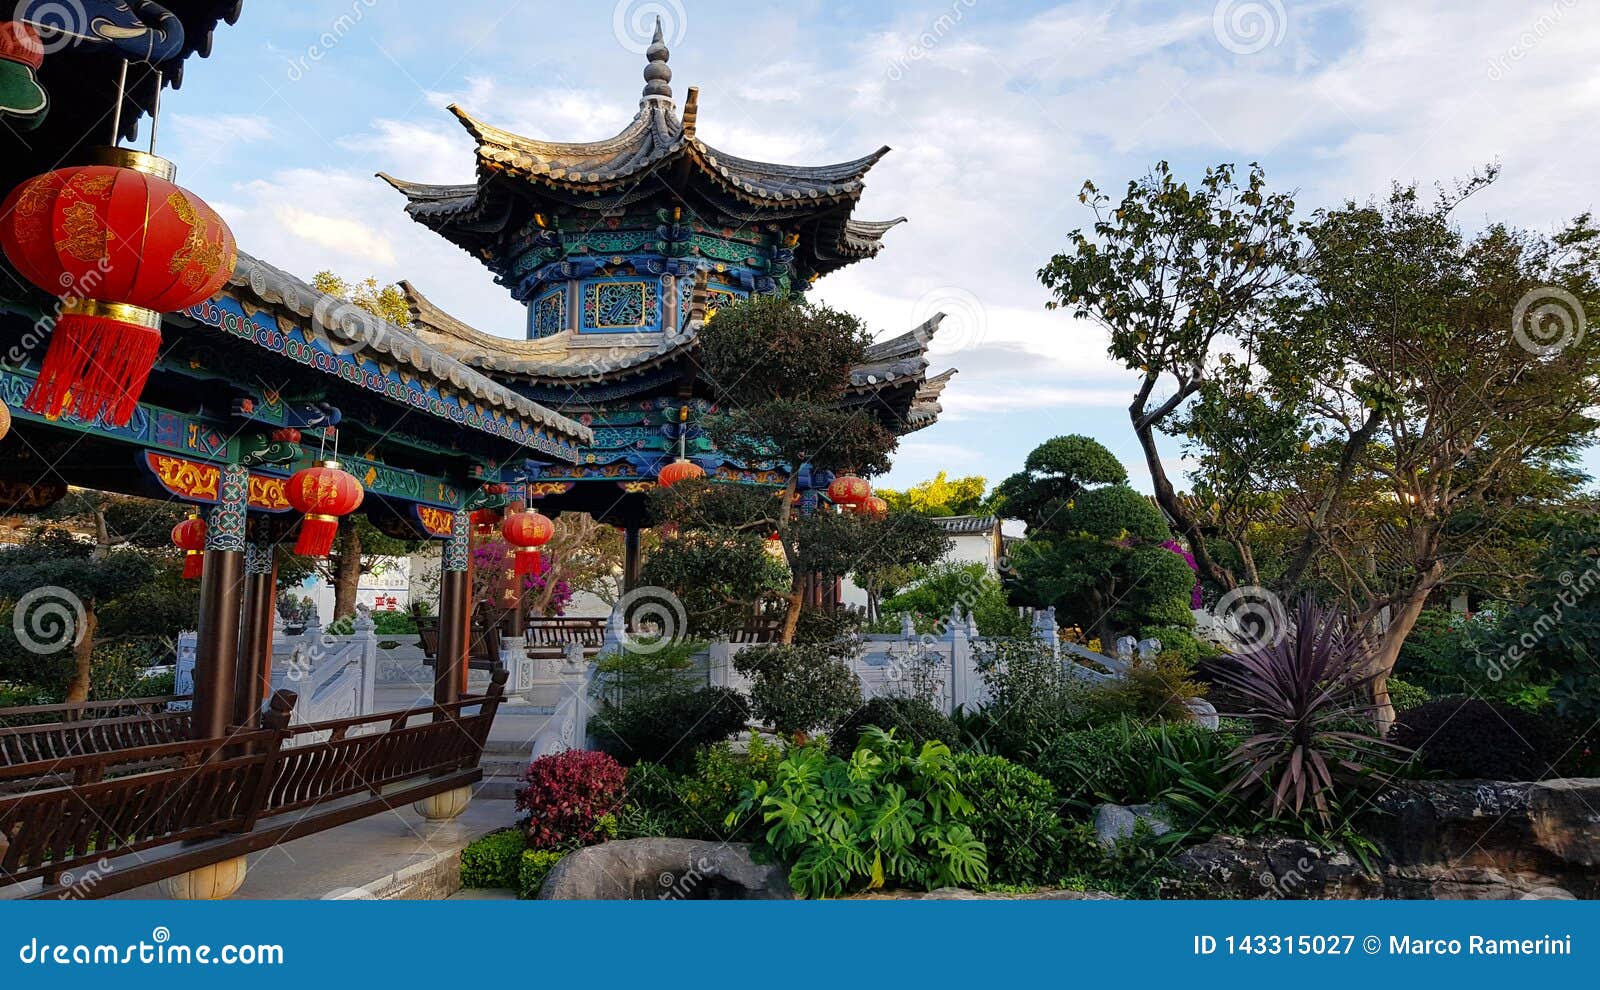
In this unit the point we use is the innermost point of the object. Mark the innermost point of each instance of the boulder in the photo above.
(1565, 822)
(664, 869)
(1271, 867)
(1115, 822)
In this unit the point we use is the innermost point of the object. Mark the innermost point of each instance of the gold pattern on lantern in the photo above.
(88, 238)
(200, 256)
(90, 184)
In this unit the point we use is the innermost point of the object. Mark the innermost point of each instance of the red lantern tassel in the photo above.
(193, 563)
(98, 362)
(316, 535)
(530, 563)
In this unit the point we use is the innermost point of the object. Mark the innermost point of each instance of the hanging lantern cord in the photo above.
(116, 111)
(155, 110)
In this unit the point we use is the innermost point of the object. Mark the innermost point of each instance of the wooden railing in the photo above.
(208, 800)
(367, 753)
(82, 711)
(87, 736)
(208, 787)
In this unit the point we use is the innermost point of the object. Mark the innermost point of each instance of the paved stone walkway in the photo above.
(363, 858)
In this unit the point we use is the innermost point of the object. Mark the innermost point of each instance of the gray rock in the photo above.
(1272, 867)
(664, 869)
(1565, 820)
(1115, 822)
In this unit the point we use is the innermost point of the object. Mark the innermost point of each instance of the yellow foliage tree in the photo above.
(939, 496)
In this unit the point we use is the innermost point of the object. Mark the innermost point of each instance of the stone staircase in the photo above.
(502, 763)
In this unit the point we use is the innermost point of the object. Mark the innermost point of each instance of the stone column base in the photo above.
(444, 806)
(216, 882)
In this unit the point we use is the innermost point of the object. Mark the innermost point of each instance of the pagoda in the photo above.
(619, 249)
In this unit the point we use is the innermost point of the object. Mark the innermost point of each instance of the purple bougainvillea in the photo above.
(1195, 600)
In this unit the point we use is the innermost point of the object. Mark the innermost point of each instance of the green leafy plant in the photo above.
(887, 815)
(1471, 738)
(493, 861)
(668, 727)
(914, 720)
(532, 869)
(799, 688)
(1129, 763)
(1015, 817)
(695, 804)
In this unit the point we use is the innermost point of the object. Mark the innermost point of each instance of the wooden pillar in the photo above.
(513, 595)
(455, 613)
(631, 561)
(255, 637)
(221, 588)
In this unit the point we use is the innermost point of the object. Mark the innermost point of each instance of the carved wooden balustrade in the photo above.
(207, 787)
(87, 736)
(85, 711)
(204, 801)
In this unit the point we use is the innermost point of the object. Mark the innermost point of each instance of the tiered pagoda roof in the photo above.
(657, 158)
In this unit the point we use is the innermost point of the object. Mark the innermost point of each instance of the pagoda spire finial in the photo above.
(657, 74)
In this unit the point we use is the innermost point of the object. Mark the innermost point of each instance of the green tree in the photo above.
(55, 586)
(1552, 636)
(1174, 272)
(778, 366)
(1093, 548)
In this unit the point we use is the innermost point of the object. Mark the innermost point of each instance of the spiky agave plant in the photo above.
(1301, 692)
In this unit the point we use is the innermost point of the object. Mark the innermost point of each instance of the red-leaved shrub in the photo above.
(566, 795)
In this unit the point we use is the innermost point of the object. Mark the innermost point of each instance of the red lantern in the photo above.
(847, 489)
(679, 470)
(323, 493)
(190, 537)
(528, 531)
(874, 508)
(120, 244)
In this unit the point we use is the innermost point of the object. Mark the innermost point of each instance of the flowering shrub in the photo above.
(569, 797)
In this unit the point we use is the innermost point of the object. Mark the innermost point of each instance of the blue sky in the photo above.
(996, 111)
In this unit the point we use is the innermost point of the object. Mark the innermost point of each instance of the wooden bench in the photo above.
(484, 652)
